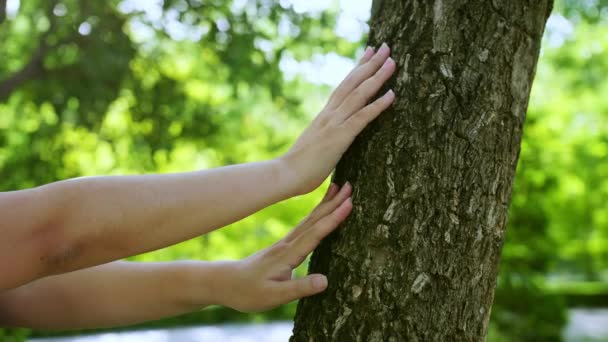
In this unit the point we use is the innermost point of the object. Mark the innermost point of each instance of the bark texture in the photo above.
(417, 259)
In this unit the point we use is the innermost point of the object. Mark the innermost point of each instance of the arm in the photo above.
(89, 221)
(83, 222)
(114, 294)
(123, 293)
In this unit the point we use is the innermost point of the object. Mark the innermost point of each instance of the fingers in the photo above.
(303, 287)
(367, 55)
(326, 209)
(308, 240)
(329, 195)
(338, 94)
(358, 76)
(358, 98)
(362, 118)
(323, 209)
(332, 190)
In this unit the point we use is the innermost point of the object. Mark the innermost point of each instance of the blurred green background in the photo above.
(128, 87)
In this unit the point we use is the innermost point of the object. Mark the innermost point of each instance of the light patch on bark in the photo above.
(399, 141)
(492, 216)
(473, 130)
(389, 215)
(375, 336)
(483, 55)
(455, 200)
(446, 69)
(406, 64)
(410, 191)
(479, 235)
(356, 292)
(437, 13)
(454, 218)
(447, 237)
(420, 282)
(520, 84)
(438, 92)
(441, 39)
(390, 182)
(382, 230)
(341, 320)
(472, 206)
(494, 185)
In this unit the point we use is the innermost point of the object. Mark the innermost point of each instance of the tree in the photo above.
(418, 258)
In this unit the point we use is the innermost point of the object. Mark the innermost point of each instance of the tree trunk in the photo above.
(417, 259)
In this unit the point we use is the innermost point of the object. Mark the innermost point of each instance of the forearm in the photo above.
(123, 293)
(108, 218)
(114, 294)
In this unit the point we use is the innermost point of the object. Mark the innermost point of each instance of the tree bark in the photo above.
(417, 259)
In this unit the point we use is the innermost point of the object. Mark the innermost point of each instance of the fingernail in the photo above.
(388, 62)
(384, 47)
(347, 184)
(319, 282)
(390, 92)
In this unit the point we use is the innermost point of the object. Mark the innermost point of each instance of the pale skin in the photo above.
(61, 242)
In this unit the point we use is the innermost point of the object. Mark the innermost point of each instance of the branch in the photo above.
(34, 68)
(2, 11)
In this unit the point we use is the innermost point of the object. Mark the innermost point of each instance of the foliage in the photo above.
(102, 87)
(558, 217)
(13, 335)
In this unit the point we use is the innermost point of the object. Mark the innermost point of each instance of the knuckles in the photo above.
(280, 249)
(358, 92)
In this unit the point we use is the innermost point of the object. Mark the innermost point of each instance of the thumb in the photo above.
(303, 287)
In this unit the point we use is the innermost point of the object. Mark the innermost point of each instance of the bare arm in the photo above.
(83, 222)
(124, 293)
(114, 294)
(89, 221)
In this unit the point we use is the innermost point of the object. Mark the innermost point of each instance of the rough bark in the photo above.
(417, 259)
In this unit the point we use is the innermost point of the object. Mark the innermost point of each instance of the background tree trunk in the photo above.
(418, 257)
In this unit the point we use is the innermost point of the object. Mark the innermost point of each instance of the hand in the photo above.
(263, 280)
(317, 151)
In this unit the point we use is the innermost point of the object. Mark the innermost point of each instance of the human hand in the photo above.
(319, 148)
(263, 280)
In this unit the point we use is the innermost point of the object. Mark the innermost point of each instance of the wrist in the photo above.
(220, 282)
(288, 176)
(204, 283)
